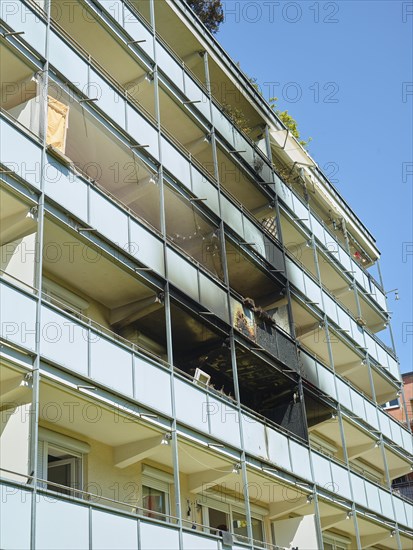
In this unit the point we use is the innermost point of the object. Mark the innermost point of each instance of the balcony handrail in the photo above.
(88, 499)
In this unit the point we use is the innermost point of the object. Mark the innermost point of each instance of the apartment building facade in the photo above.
(189, 321)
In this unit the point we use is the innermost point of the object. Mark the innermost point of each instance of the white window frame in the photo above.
(160, 481)
(337, 542)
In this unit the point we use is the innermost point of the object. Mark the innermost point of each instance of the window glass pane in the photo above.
(153, 502)
(63, 469)
(239, 524)
(218, 519)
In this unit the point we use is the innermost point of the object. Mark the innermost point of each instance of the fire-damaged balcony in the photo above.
(202, 351)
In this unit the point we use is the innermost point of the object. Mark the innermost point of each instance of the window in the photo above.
(336, 542)
(155, 493)
(60, 462)
(228, 516)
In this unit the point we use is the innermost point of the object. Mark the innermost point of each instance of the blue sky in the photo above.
(339, 69)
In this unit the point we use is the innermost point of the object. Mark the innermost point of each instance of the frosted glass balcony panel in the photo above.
(300, 458)
(278, 449)
(344, 396)
(396, 431)
(108, 99)
(197, 542)
(359, 489)
(380, 298)
(295, 275)
(157, 537)
(254, 436)
(308, 368)
(326, 381)
(66, 189)
(176, 163)
(194, 93)
(341, 481)
(14, 147)
(191, 405)
(213, 297)
(371, 347)
(312, 290)
(64, 341)
(253, 235)
(55, 524)
(148, 377)
(409, 514)
(15, 518)
(373, 499)
(183, 274)
(371, 414)
(330, 308)
(223, 125)
(136, 29)
(301, 211)
(108, 219)
(322, 472)
(169, 66)
(266, 172)
(111, 532)
(143, 132)
(400, 510)
(232, 216)
(68, 63)
(407, 441)
(382, 356)
(319, 231)
(393, 367)
(356, 333)
(224, 421)
(146, 247)
(357, 402)
(204, 189)
(20, 17)
(385, 425)
(360, 277)
(285, 194)
(344, 321)
(18, 317)
(241, 144)
(111, 365)
(345, 260)
(386, 504)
